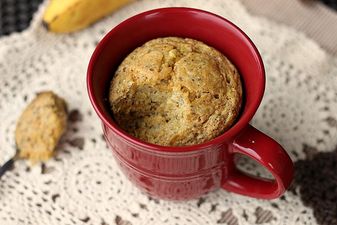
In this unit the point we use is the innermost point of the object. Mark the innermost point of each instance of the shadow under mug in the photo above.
(179, 173)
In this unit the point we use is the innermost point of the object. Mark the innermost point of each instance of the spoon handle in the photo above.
(7, 166)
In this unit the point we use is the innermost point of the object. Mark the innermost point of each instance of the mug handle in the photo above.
(268, 153)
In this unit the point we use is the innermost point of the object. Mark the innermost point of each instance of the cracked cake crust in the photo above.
(175, 92)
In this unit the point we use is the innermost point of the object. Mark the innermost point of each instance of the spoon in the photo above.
(9, 164)
(39, 129)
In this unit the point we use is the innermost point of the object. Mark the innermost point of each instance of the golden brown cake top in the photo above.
(174, 91)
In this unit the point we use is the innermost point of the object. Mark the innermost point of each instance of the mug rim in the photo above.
(238, 126)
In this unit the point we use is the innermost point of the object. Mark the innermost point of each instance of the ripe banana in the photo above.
(63, 16)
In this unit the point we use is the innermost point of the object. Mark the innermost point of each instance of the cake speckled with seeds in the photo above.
(175, 91)
(41, 126)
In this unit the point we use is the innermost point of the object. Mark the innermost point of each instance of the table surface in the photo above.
(16, 14)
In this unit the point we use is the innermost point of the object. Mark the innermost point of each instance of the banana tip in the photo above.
(45, 25)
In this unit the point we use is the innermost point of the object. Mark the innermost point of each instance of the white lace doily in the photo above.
(82, 183)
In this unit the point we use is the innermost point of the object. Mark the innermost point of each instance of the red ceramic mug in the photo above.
(187, 172)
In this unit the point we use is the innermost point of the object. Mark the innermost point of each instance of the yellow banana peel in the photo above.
(64, 16)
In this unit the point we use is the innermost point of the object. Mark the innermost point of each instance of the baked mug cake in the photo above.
(175, 91)
(178, 92)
